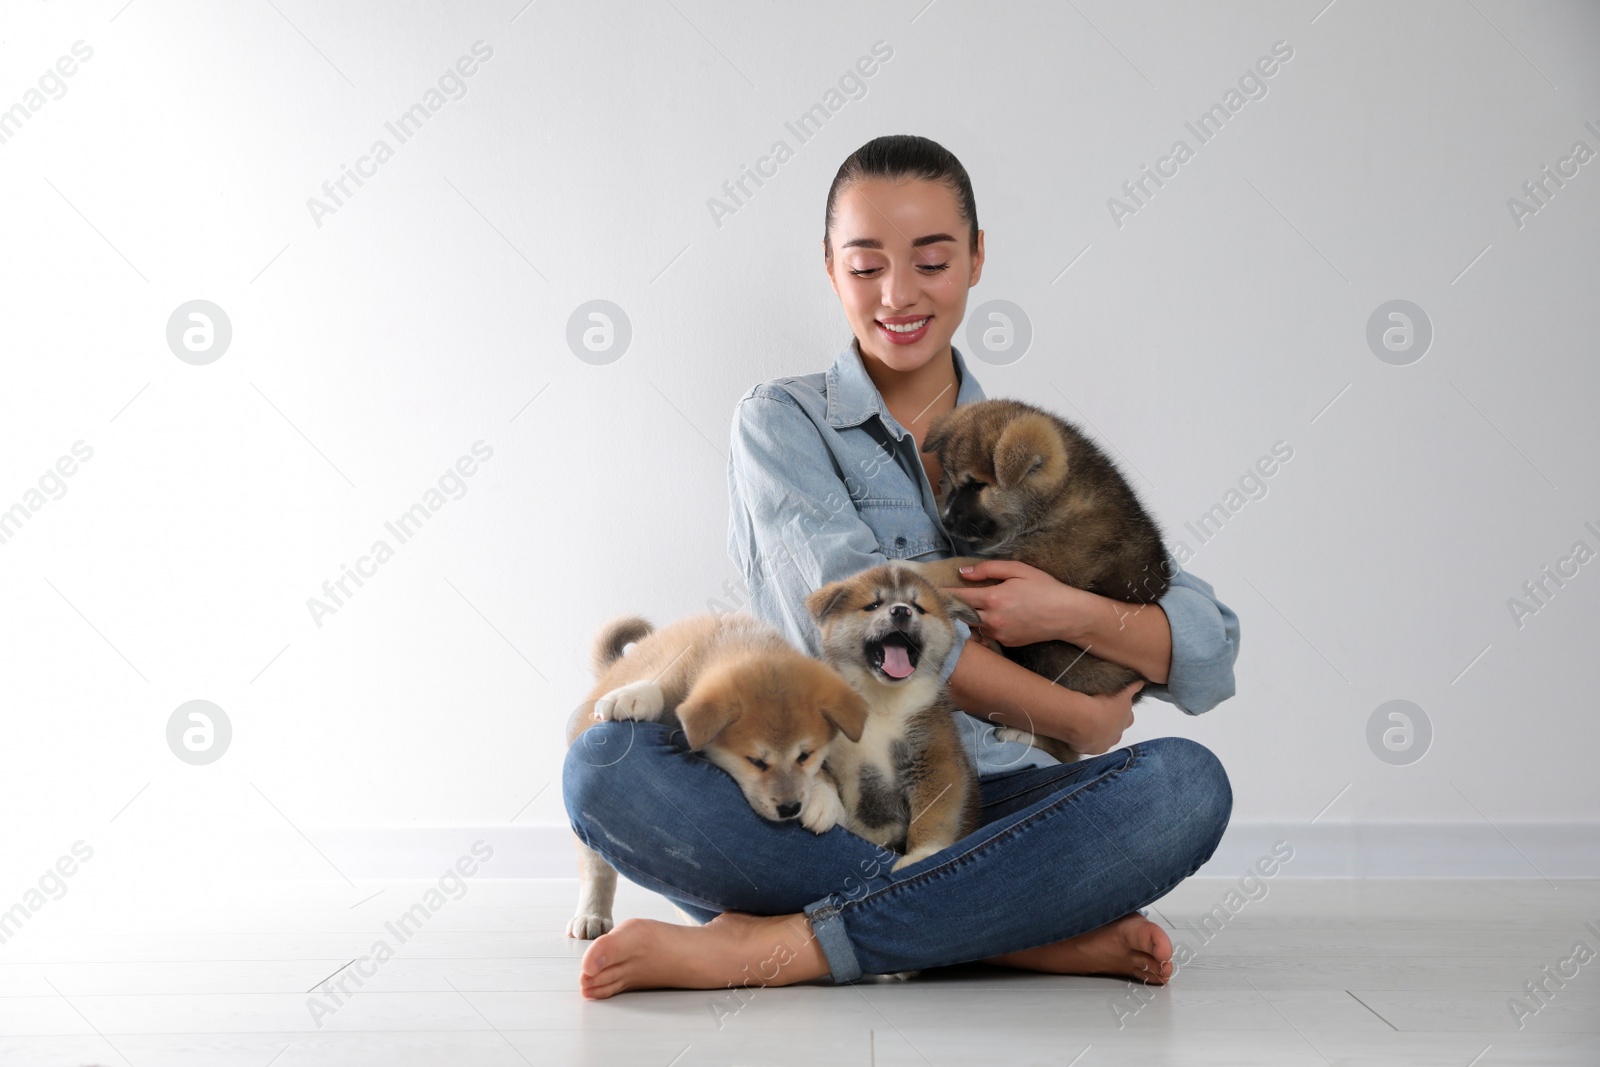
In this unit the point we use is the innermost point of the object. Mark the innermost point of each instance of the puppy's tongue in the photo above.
(896, 664)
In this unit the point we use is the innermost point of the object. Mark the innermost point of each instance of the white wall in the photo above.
(373, 346)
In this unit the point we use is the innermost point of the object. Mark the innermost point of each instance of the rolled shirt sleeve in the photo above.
(963, 631)
(1205, 644)
(792, 527)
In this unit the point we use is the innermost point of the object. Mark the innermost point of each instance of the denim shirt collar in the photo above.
(852, 397)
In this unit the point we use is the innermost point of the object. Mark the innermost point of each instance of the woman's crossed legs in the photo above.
(1052, 881)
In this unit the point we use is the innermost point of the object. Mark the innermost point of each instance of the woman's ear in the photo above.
(704, 719)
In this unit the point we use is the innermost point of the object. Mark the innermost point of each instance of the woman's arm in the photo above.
(1029, 605)
(1204, 635)
(1187, 648)
(1134, 635)
(996, 690)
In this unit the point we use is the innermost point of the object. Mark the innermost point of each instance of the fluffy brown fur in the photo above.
(743, 696)
(906, 782)
(1022, 483)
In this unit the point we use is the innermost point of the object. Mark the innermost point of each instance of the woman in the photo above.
(826, 478)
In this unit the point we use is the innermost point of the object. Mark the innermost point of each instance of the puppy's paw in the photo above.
(914, 856)
(822, 809)
(904, 976)
(1011, 733)
(636, 700)
(588, 927)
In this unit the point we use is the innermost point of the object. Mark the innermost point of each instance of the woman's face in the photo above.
(900, 256)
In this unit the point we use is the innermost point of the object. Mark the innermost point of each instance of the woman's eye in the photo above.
(932, 268)
(758, 764)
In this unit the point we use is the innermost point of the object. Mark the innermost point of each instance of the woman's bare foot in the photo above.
(733, 948)
(1131, 947)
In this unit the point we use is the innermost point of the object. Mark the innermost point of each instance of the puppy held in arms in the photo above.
(744, 698)
(1021, 483)
(906, 783)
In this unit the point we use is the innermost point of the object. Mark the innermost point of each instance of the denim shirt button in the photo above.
(899, 542)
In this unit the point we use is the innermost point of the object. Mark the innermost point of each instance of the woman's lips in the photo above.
(897, 338)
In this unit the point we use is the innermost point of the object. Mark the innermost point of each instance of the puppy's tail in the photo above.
(609, 642)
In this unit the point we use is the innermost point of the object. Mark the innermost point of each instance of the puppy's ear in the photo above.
(937, 435)
(827, 600)
(704, 719)
(847, 710)
(957, 608)
(1028, 444)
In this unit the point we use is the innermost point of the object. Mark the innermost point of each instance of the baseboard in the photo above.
(1536, 850)
(1321, 850)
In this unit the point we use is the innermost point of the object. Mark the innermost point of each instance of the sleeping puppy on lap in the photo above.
(906, 783)
(745, 699)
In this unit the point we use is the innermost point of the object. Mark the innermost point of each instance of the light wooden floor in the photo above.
(1317, 972)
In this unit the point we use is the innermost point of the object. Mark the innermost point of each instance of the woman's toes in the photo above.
(1155, 941)
(605, 962)
(1150, 970)
(595, 958)
(599, 990)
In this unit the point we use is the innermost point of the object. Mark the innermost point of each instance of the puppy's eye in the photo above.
(802, 757)
(920, 609)
(758, 764)
(873, 606)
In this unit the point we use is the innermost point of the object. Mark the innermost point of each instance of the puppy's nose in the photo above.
(789, 810)
(900, 613)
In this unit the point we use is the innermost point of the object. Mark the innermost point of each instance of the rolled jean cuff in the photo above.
(827, 925)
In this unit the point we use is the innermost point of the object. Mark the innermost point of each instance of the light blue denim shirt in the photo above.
(823, 483)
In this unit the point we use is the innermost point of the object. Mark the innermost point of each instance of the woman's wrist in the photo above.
(1076, 721)
(1138, 636)
(1076, 613)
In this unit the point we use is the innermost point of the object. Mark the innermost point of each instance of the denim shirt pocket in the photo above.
(901, 526)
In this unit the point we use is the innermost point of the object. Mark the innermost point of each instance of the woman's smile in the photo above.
(904, 329)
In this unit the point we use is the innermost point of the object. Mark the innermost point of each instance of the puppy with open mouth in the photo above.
(907, 783)
(744, 698)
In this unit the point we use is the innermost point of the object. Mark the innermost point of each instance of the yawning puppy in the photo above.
(907, 782)
(743, 696)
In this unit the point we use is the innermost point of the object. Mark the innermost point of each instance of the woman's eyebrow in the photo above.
(873, 242)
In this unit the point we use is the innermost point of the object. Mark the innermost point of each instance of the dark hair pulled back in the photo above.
(899, 156)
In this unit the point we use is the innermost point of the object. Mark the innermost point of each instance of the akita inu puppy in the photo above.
(1018, 482)
(743, 696)
(906, 783)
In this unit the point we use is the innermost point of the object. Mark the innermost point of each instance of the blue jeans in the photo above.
(1063, 849)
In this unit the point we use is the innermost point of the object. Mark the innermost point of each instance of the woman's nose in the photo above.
(899, 288)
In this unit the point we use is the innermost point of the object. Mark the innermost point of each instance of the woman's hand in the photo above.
(1104, 720)
(1027, 606)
